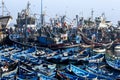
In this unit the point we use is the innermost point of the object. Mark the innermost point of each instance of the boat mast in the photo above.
(77, 20)
(41, 6)
(28, 8)
(26, 16)
(2, 8)
(92, 13)
(41, 12)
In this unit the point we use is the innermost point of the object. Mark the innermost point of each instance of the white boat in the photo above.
(117, 50)
(99, 50)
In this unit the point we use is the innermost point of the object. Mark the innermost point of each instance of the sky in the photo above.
(70, 8)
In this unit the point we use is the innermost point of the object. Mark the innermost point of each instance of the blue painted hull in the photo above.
(45, 41)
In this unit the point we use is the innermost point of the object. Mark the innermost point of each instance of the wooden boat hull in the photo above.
(95, 44)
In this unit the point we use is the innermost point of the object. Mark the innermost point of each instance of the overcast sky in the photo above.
(111, 8)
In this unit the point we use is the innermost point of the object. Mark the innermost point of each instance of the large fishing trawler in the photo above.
(5, 18)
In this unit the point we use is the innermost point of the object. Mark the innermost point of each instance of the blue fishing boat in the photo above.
(24, 73)
(64, 75)
(113, 59)
(43, 77)
(95, 58)
(115, 64)
(8, 51)
(69, 56)
(79, 55)
(43, 71)
(7, 67)
(79, 72)
(83, 73)
(46, 69)
(22, 53)
(103, 69)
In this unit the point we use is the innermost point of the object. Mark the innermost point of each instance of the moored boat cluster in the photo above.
(18, 62)
(87, 50)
